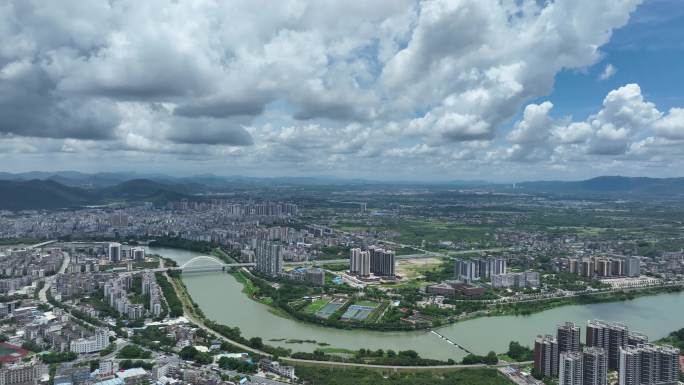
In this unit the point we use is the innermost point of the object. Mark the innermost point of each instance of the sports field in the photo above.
(331, 307)
(359, 312)
(316, 305)
(10, 352)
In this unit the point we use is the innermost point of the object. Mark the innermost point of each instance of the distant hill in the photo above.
(42, 194)
(50, 194)
(611, 185)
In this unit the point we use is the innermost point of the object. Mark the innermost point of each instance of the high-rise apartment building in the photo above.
(632, 266)
(570, 368)
(546, 356)
(114, 252)
(382, 262)
(269, 258)
(609, 336)
(634, 338)
(568, 337)
(594, 366)
(466, 270)
(365, 264)
(138, 253)
(649, 364)
(359, 262)
(354, 261)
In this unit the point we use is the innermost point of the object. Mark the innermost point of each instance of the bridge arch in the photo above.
(202, 258)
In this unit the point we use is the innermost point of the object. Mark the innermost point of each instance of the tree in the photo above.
(518, 352)
(188, 353)
(409, 353)
(133, 351)
(256, 343)
(491, 358)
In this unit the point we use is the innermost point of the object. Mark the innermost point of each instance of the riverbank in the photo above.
(408, 360)
(220, 297)
(253, 286)
(532, 307)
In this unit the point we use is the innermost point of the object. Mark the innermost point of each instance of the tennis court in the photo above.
(358, 312)
(331, 308)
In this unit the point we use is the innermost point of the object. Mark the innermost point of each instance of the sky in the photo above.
(499, 90)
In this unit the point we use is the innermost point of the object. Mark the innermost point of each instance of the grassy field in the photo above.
(364, 376)
(414, 268)
(316, 305)
(330, 350)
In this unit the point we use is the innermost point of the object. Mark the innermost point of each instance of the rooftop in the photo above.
(133, 372)
(112, 381)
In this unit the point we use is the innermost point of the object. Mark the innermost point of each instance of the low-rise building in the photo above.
(275, 367)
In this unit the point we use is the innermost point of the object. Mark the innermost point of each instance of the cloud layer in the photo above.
(414, 89)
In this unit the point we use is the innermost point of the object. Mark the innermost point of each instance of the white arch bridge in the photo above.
(205, 263)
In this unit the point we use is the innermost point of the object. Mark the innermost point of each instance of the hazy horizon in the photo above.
(143, 175)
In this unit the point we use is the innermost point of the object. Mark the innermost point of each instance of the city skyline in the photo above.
(403, 90)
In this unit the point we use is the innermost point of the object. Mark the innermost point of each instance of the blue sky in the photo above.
(391, 89)
(649, 51)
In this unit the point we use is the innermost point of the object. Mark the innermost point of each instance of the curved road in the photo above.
(42, 294)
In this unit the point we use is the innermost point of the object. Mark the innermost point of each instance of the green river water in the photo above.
(221, 299)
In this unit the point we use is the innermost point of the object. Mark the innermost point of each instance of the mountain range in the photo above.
(54, 190)
(37, 194)
(611, 185)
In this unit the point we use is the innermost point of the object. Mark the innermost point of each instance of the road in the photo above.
(182, 295)
(42, 294)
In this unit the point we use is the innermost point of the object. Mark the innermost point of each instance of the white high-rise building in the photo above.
(359, 262)
(354, 260)
(365, 264)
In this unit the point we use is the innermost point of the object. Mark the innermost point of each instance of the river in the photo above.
(220, 297)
